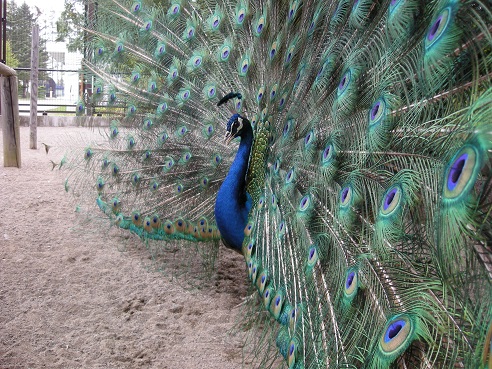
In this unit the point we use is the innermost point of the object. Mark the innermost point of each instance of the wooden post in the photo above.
(10, 117)
(33, 141)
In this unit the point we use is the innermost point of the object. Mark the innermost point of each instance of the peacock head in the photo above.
(237, 126)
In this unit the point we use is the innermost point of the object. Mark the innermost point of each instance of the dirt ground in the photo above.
(74, 294)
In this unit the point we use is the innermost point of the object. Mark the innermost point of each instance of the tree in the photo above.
(69, 25)
(10, 58)
(20, 21)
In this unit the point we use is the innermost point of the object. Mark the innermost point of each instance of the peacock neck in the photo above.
(233, 202)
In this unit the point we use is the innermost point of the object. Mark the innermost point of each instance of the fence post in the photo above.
(10, 117)
(33, 134)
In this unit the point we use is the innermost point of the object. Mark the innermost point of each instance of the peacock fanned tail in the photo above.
(365, 192)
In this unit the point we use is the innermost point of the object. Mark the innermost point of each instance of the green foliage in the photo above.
(69, 25)
(20, 21)
(10, 58)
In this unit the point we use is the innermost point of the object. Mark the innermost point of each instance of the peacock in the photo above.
(342, 147)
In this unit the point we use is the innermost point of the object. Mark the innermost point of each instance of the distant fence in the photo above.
(61, 79)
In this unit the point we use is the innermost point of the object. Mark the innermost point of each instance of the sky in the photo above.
(46, 6)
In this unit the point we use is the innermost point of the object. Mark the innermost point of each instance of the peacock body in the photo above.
(361, 191)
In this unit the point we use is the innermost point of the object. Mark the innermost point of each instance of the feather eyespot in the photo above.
(281, 229)
(261, 202)
(312, 258)
(327, 154)
(308, 139)
(241, 15)
(248, 229)
(168, 164)
(209, 130)
(305, 203)
(136, 179)
(204, 182)
(398, 334)
(376, 112)
(162, 108)
(391, 200)
(88, 153)
(132, 109)
(345, 196)
(344, 82)
(100, 184)
(438, 27)
(152, 86)
(277, 304)
(462, 172)
(181, 131)
(281, 103)
(160, 49)
(179, 188)
(244, 66)
(351, 284)
(260, 24)
(292, 354)
(224, 53)
(163, 137)
(260, 94)
(289, 177)
(147, 123)
(286, 128)
(115, 205)
(174, 9)
(273, 50)
(131, 142)
(276, 166)
(262, 281)
(197, 61)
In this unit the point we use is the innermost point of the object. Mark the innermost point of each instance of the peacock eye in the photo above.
(376, 113)
(311, 27)
(344, 82)
(346, 196)
(438, 27)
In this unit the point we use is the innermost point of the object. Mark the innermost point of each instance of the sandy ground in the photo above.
(75, 294)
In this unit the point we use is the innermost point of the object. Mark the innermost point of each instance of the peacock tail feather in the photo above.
(361, 191)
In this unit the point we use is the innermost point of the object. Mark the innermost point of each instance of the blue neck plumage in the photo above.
(233, 202)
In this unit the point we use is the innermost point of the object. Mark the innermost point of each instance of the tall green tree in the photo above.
(69, 25)
(20, 21)
(10, 58)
